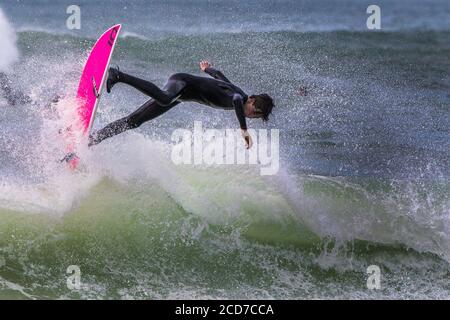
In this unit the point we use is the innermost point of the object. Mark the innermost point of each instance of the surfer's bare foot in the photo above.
(92, 141)
(113, 78)
(69, 157)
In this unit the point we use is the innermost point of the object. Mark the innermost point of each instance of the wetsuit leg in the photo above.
(165, 97)
(148, 111)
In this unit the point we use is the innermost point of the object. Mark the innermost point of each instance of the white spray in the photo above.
(9, 53)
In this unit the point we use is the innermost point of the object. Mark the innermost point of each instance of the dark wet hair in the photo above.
(263, 105)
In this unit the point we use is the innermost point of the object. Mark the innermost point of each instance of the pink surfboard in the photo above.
(90, 87)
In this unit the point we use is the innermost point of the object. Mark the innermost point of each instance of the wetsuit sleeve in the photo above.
(238, 104)
(216, 74)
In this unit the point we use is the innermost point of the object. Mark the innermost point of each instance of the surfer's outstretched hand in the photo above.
(248, 138)
(204, 64)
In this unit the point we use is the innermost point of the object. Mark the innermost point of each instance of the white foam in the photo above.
(9, 53)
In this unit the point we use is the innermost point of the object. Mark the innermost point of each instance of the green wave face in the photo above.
(198, 239)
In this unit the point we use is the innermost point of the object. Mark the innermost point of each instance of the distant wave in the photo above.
(128, 34)
(28, 28)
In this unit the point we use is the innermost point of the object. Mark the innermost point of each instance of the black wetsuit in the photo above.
(218, 93)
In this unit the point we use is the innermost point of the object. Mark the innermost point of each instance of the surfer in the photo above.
(14, 96)
(10, 93)
(218, 93)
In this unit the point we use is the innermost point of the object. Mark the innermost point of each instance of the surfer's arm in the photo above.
(216, 74)
(238, 104)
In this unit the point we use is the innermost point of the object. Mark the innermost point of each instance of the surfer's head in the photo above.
(259, 106)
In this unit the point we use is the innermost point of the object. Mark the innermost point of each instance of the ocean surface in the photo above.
(364, 173)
